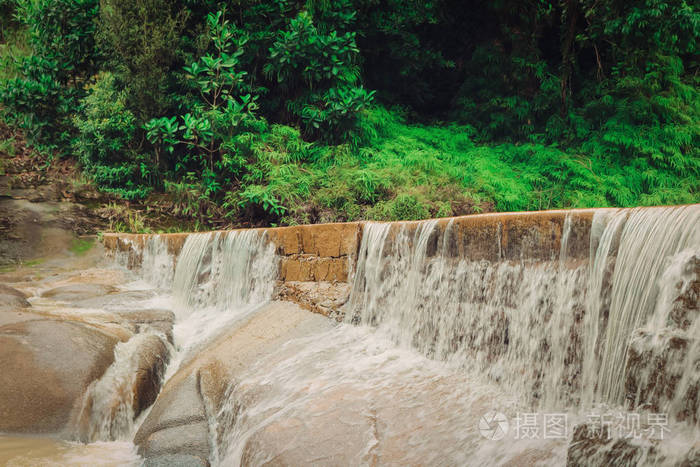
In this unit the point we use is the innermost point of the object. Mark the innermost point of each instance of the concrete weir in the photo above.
(312, 257)
(436, 326)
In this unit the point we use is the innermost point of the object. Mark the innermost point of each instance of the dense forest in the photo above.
(298, 111)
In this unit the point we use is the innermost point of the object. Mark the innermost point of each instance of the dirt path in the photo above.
(44, 209)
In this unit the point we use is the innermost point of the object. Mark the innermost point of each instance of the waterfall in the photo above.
(649, 239)
(216, 279)
(111, 403)
(511, 320)
(575, 314)
(157, 265)
(558, 331)
(223, 271)
(604, 237)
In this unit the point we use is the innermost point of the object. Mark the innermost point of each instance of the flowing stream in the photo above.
(432, 342)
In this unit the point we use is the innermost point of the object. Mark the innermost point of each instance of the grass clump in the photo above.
(80, 246)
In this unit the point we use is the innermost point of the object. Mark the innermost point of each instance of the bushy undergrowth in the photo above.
(297, 111)
(415, 171)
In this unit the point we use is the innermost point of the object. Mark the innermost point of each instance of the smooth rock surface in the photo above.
(45, 366)
(178, 423)
(12, 299)
(76, 292)
(176, 460)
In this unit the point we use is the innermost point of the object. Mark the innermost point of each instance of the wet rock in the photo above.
(191, 439)
(10, 317)
(115, 301)
(12, 299)
(176, 460)
(150, 369)
(592, 447)
(7, 290)
(77, 292)
(129, 386)
(178, 422)
(325, 298)
(157, 320)
(37, 230)
(685, 309)
(178, 411)
(45, 367)
(661, 372)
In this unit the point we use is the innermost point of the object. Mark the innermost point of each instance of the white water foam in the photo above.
(442, 339)
(531, 325)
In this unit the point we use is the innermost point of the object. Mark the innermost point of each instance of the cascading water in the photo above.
(557, 331)
(525, 335)
(434, 338)
(220, 278)
(216, 279)
(649, 241)
(493, 318)
(157, 265)
(222, 271)
(110, 403)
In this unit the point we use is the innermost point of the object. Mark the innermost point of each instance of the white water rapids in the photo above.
(432, 341)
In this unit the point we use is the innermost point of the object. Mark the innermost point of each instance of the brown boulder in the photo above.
(177, 425)
(128, 387)
(45, 367)
(76, 292)
(154, 320)
(12, 299)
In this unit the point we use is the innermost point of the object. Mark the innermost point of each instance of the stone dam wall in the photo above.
(317, 261)
(328, 252)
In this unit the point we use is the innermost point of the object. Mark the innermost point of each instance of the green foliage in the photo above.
(62, 31)
(258, 113)
(13, 40)
(140, 39)
(336, 115)
(507, 97)
(123, 219)
(399, 60)
(320, 73)
(404, 206)
(105, 145)
(205, 139)
(49, 82)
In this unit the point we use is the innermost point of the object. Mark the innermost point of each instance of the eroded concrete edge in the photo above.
(317, 261)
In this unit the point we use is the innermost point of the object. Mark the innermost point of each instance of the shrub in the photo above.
(50, 81)
(210, 139)
(105, 145)
(141, 39)
(403, 207)
(319, 74)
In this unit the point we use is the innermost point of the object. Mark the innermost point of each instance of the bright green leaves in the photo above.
(163, 132)
(259, 195)
(42, 98)
(208, 141)
(302, 54)
(216, 75)
(321, 71)
(335, 113)
(105, 142)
